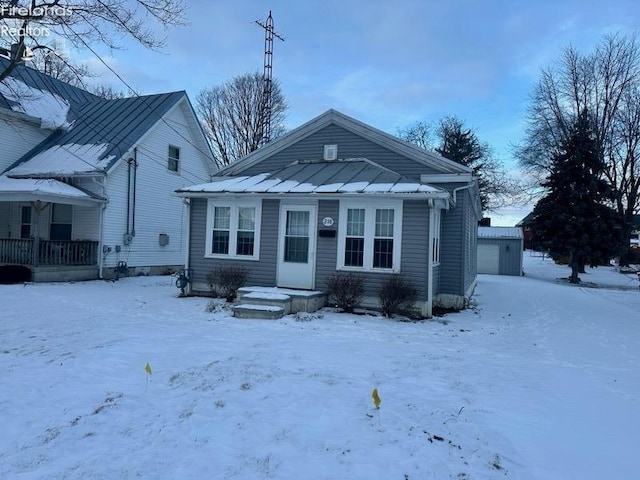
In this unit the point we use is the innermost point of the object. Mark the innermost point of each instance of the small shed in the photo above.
(500, 250)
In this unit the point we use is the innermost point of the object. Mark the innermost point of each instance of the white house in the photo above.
(86, 183)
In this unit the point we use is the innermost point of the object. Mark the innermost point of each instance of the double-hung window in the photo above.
(61, 218)
(233, 229)
(173, 163)
(370, 235)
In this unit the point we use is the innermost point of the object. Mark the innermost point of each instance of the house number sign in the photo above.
(327, 222)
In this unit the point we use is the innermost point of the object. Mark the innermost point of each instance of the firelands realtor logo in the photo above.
(33, 13)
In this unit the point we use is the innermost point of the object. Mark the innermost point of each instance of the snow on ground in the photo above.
(539, 380)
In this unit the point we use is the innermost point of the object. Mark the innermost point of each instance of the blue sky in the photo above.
(387, 63)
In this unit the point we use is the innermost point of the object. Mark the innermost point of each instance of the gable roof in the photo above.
(357, 175)
(101, 134)
(333, 117)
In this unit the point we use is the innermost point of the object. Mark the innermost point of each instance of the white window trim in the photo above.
(169, 158)
(234, 205)
(370, 205)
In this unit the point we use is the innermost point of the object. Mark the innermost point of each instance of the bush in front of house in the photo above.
(397, 295)
(345, 290)
(225, 281)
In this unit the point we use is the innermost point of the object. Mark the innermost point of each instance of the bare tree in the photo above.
(606, 83)
(104, 90)
(460, 144)
(419, 134)
(56, 64)
(232, 116)
(83, 22)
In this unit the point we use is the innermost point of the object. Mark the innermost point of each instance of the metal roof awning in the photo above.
(353, 176)
(44, 190)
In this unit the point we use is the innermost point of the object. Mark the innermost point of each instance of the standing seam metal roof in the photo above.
(119, 123)
(344, 176)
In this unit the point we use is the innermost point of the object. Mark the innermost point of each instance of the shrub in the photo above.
(225, 281)
(397, 295)
(345, 290)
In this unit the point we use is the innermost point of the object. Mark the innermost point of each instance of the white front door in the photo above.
(297, 246)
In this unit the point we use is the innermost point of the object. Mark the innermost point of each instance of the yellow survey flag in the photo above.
(147, 368)
(376, 398)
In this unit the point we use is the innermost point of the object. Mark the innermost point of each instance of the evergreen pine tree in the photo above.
(574, 219)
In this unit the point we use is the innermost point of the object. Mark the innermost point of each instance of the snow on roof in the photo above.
(345, 176)
(61, 160)
(28, 189)
(499, 232)
(51, 109)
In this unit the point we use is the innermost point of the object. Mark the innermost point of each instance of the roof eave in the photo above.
(315, 195)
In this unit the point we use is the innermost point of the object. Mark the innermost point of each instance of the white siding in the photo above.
(17, 137)
(157, 210)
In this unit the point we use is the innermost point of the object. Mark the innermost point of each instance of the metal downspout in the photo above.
(429, 312)
(135, 181)
(126, 231)
(187, 202)
(101, 229)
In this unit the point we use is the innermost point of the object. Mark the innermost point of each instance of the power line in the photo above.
(206, 154)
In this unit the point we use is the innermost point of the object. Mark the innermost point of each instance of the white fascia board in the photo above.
(446, 178)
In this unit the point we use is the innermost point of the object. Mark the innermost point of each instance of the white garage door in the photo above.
(489, 259)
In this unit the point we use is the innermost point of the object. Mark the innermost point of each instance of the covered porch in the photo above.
(49, 227)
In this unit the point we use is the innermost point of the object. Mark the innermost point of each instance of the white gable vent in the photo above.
(330, 152)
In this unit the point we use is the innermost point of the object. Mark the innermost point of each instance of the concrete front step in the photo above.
(292, 301)
(268, 299)
(265, 312)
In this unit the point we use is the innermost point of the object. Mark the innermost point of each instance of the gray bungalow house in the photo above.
(337, 195)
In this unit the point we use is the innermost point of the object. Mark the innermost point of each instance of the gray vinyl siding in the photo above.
(327, 247)
(436, 279)
(415, 246)
(350, 145)
(451, 251)
(458, 244)
(261, 272)
(510, 260)
(470, 227)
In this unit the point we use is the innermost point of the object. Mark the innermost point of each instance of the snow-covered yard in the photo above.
(540, 380)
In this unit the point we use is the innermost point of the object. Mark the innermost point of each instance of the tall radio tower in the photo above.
(269, 33)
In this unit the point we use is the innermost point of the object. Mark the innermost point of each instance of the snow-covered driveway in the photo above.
(538, 381)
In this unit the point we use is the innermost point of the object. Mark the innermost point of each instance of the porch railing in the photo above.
(37, 252)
